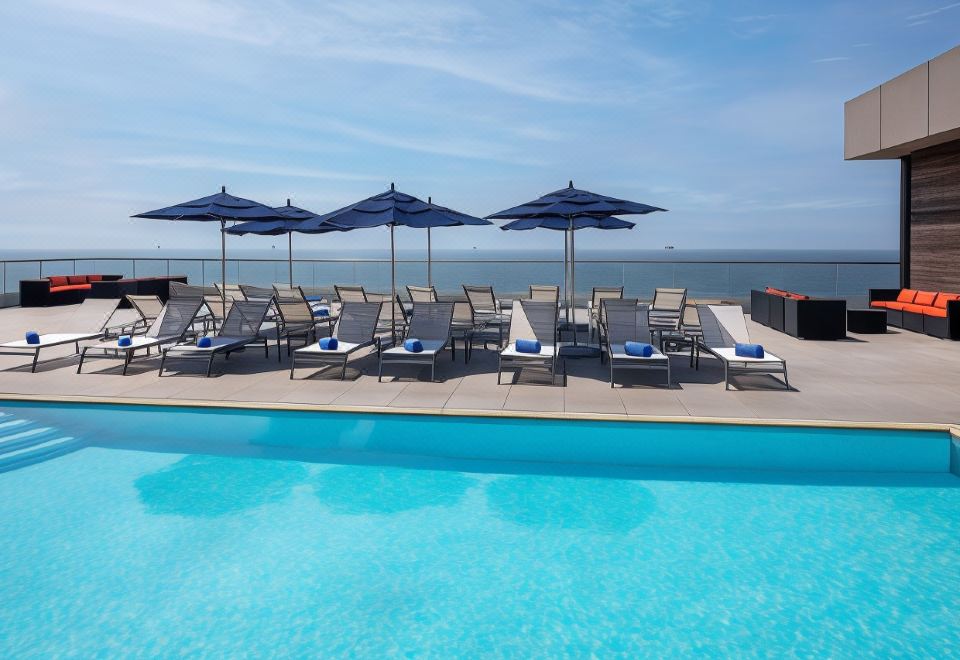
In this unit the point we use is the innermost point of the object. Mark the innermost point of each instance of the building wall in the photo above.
(935, 218)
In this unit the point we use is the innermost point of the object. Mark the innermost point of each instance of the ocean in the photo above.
(726, 274)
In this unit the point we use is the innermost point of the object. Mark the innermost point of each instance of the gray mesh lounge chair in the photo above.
(666, 310)
(431, 324)
(232, 291)
(173, 324)
(487, 313)
(545, 293)
(597, 296)
(206, 315)
(723, 326)
(90, 320)
(148, 307)
(422, 294)
(240, 329)
(400, 319)
(624, 320)
(532, 320)
(356, 328)
(350, 293)
(251, 292)
(294, 294)
(688, 335)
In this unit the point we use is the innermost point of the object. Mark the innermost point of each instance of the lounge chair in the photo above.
(251, 292)
(350, 293)
(537, 320)
(431, 324)
(487, 311)
(687, 335)
(148, 307)
(545, 293)
(667, 309)
(422, 294)
(170, 327)
(356, 328)
(597, 296)
(207, 315)
(90, 320)
(724, 326)
(295, 294)
(241, 328)
(624, 320)
(232, 291)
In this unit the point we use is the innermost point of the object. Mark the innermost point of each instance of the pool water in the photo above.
(246, 549)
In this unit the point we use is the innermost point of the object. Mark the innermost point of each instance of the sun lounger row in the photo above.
(633, 335)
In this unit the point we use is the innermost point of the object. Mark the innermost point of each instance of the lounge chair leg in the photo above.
(786, 381)
(163, 359)
(128, 355)
(380, 370)
(726, 376)
(343, 370)
(210, 365)
(36, 356)
(83, 354)
(293, 365)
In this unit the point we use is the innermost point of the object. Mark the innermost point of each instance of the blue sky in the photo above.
(728, 114)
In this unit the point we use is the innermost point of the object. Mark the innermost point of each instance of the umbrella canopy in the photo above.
(392, 209)
(293, 217)
(568, 210)
(221, 208)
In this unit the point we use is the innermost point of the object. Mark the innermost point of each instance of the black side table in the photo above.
(867, 321)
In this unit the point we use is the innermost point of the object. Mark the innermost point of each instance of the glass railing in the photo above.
(726, 280)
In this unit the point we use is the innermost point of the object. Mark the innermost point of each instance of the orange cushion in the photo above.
(935, 311)
(942, 299)
(775, 292)
(880, 303)
(798, 296)
(913, 307)
(76, 279)
(906, 296)
(69, 287)
(897, 305)
(94, 278)
(925, 297)
(58, 280)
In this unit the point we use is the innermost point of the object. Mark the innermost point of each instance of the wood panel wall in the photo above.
(935, 218)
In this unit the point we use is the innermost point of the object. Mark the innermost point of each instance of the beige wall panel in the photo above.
(945, 92)
(904, 107)
(861, 124)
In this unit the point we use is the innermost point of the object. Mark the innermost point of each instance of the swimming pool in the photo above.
(168, 531)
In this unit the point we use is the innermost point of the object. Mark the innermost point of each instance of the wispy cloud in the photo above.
(189, 162)
(932, 12)
(825, 60)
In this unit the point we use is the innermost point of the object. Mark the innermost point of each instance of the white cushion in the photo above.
(216, 343)
(730, 355)
(52, 339)
(619, 353)
(342, 348)
(430, 346)
(546, 350)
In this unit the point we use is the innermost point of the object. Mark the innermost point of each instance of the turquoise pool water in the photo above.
(159, 532)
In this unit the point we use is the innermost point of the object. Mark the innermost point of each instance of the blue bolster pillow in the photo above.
(32, 337)
(413, 346)
(204, 342)
(321, 311)
(528, 346)
(638, 349)
(749, 350)
(124, 340)
(328, 344)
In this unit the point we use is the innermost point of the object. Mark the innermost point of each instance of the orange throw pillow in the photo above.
(906, 295)
(925, 297)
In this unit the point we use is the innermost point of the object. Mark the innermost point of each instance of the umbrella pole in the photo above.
(290, 256)
(566, 281)
(393, 287)
(223, 266)
(573, 283)
(429, 261)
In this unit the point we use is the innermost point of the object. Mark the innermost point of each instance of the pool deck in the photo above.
(899, 377)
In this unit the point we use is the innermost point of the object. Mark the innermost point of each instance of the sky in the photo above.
(729, 114)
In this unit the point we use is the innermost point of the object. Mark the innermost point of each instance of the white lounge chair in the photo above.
(724, 326)
(170, 327)
(241, 328)
(90, 320)
(532, 319)
(624, 320)
(597, 296)
(431, 324)
(356, 328)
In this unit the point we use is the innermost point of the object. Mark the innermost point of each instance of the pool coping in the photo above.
(953, 429)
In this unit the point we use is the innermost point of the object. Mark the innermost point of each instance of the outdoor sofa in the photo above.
(798, 315)
(935, 313)
(59, 289)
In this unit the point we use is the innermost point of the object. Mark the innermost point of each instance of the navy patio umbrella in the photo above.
(568, 210)
(391, 209)
(293, 217)
(221, 208)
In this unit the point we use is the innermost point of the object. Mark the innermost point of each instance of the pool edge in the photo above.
(953, 429)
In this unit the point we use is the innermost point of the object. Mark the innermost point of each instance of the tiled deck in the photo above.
(897, 377)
